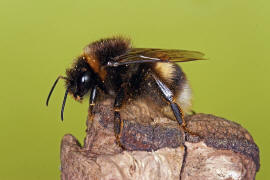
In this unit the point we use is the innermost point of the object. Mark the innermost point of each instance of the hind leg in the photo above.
(177, 111)
(168, 95)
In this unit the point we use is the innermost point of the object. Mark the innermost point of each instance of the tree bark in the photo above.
(153, 146)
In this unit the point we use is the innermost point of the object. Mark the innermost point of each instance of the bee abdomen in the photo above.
(173, 76)
(184, 97)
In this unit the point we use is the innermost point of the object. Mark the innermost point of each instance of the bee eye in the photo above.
(85, 79)
(84, 84)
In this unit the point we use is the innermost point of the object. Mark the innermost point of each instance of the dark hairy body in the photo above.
(111, 67)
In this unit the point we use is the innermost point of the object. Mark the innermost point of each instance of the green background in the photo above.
(39, 40)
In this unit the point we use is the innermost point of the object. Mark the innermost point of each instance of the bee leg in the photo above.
(177, 111)
(92, 101)
(118, 122)
(168, 95)
(193, 112)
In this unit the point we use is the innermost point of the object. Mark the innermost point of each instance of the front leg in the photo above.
(92, 102)
(92, 99)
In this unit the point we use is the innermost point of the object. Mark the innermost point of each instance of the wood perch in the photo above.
(155, 147)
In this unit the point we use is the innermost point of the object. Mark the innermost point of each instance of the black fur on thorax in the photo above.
(106, 49)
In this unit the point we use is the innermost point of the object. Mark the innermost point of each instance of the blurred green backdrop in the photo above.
(39, 39)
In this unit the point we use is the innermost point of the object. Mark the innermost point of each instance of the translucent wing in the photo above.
(143, 55)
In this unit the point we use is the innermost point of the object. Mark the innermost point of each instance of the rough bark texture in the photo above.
(156, 147)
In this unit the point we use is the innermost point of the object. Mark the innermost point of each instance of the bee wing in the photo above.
(143, 55)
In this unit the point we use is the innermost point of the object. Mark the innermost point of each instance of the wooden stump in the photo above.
(156, 147)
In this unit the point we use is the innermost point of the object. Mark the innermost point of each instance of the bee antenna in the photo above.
(63, 105)
(54, 84)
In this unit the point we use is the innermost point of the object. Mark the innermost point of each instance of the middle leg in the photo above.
(118, 122)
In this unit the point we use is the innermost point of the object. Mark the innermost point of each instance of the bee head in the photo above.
(79, 80)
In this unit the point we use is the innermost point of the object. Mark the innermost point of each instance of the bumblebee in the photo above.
(112, 67)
